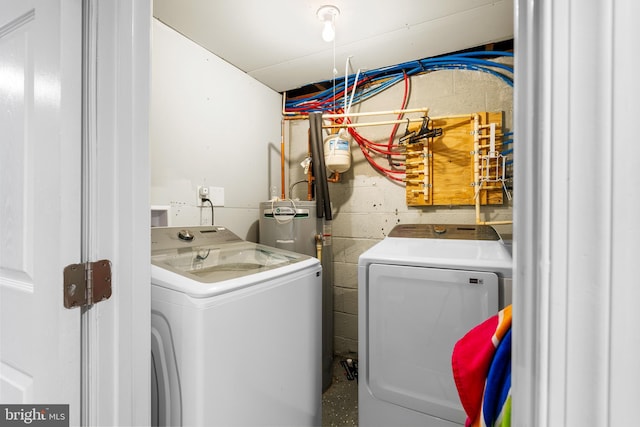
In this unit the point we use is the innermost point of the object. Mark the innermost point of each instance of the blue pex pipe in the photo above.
(383, 78)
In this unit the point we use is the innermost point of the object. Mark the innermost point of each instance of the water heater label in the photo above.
(284, 211)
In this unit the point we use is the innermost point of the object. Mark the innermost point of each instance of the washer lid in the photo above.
(216, 263)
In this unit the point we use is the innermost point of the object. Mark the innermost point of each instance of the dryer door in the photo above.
(415, 316)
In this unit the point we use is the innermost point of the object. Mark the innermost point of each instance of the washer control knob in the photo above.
(185, 235)
(439, 229)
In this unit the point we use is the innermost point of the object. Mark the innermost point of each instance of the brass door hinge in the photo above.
(86, 284)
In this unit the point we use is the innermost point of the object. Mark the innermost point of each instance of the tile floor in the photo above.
(340, 401)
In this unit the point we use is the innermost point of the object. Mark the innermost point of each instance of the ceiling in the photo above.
(278, 42)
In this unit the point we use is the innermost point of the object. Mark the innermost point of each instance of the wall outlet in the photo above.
(203, 193)
(215, 194)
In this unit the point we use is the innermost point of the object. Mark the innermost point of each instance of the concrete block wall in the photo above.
(367, 205)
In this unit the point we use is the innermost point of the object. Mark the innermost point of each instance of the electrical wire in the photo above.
(294, 184)
(211, 203)
(202, 257)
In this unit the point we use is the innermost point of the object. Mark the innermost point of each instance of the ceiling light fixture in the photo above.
(327, 14)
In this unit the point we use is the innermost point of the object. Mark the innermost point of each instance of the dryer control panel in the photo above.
(445, 231)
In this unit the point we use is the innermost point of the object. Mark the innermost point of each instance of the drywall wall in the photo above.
(212, 125)
(366, 205)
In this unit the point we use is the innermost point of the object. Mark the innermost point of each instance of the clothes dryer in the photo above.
(236, 331)
(419, 291)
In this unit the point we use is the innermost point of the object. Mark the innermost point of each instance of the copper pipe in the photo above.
(335, 177)
(282, 160)
(291, 115)
(296, 117)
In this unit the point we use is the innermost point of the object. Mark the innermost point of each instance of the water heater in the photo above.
(294, 226)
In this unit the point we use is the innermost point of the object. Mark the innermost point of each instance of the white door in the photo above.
(40, 209)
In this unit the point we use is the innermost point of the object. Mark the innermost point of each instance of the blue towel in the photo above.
(496, 407)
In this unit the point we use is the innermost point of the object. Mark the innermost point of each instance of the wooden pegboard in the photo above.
(440, 170)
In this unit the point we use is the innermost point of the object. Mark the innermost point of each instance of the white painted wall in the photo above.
(211, 124)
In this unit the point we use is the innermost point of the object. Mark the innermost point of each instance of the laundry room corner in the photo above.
(278, 154)
(367, 205)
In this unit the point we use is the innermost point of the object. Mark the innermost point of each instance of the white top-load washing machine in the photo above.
(420, 290)
(236, 331)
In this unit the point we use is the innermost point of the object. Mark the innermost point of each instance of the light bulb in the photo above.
(327, 15)
(328, 33)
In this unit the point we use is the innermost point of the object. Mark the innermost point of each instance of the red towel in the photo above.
(472, 357)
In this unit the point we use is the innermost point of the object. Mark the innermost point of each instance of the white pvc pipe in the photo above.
(356, 125)
(476, 163)
(378, 113)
